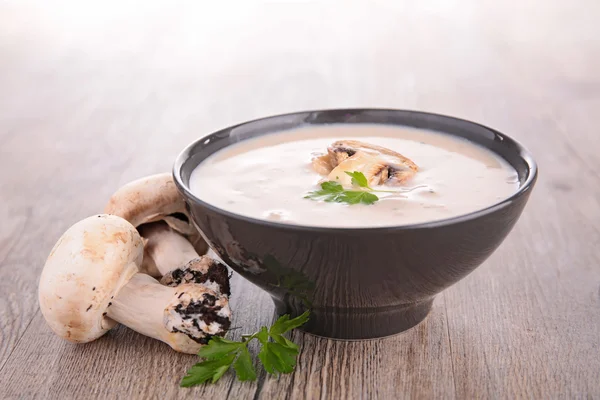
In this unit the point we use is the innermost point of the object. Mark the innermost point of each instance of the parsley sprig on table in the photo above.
(277, 354)
(332, 191)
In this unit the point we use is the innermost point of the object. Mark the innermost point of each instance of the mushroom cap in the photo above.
(155, 198)
(146, 200)
(88, 265)
(379, 164)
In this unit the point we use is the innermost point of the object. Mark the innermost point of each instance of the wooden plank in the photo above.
(538, 296)
(121, 364)
(416, 362)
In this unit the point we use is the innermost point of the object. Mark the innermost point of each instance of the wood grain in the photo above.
(93, 96)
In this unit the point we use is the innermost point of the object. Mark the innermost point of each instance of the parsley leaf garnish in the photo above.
(277, 354)
(285, 324)
(243, 366)
(332, 191)
(358, 179)
(210, 370)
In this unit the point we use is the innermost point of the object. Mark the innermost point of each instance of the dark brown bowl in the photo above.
(358, 282)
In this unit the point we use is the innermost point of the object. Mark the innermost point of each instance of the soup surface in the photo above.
(268, 178)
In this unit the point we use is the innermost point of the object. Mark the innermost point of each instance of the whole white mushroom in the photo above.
(91, 281)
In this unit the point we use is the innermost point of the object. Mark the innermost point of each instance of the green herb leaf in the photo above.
(358, 179)
(277, 356)
(262, 335)
(218, 347)
(345, 196)
(211, 370)
(285, 324)
(333, 192)
(332, 187)
(286, 354)
(356, 197)
(284, 341)
(243, 366)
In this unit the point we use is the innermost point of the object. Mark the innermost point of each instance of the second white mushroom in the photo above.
(172, 244)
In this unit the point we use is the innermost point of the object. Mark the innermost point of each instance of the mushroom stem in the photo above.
(165, 313)
(165, 249)
(170, 257)
(140, 306)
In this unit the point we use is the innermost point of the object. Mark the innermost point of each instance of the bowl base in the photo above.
(360, 323)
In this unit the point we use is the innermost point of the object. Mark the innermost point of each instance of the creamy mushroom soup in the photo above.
(269, 177)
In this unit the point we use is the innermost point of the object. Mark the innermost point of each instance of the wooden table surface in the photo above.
(92, 97)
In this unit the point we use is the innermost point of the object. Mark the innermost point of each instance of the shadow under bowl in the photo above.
(359, 283)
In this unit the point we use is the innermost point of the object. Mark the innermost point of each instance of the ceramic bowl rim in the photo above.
(523, 153)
